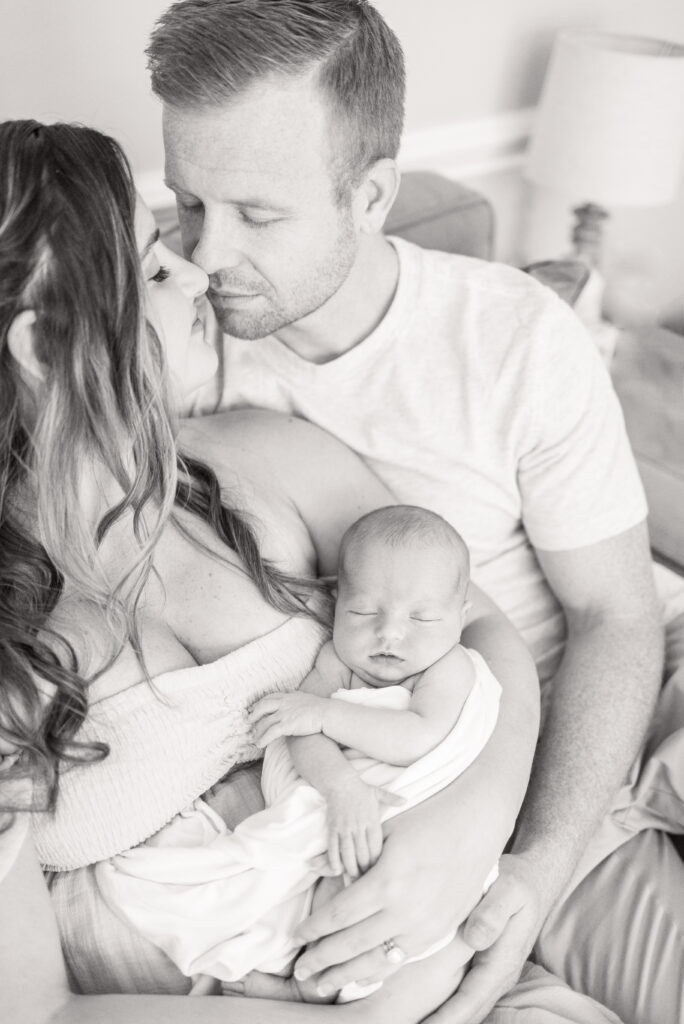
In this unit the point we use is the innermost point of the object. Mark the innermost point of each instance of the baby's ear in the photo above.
(467, 605)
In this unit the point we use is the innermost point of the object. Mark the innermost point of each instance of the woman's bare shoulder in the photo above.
(248, 430)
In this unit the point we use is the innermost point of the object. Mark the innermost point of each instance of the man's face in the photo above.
(257, 207)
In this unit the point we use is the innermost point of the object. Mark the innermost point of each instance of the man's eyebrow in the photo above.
(152, 240)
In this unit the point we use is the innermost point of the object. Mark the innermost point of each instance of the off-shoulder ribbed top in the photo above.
(168, 744)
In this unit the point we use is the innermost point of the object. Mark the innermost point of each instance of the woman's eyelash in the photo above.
(161, 275)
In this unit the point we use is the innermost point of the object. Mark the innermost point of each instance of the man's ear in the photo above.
(21, 341)
(376, 194)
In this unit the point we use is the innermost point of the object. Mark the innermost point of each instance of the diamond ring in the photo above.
(395, 954)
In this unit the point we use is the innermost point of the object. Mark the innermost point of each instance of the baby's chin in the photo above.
(384, 671)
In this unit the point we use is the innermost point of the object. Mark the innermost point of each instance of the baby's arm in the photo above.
(353, 807)
(401, 737)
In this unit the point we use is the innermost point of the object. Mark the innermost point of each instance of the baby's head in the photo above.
(401, 598)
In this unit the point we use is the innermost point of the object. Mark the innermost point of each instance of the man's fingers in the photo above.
(488, 979)
(489, 918)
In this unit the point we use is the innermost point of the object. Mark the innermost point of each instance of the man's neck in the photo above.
(354, 311)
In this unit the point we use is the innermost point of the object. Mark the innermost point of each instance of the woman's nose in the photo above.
(191, 278)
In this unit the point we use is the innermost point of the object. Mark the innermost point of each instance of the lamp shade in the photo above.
(610, 125)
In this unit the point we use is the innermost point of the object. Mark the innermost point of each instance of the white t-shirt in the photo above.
(481, 396)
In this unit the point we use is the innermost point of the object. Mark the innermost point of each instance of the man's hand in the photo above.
(354, 825)
(502, 929)
(286, 714)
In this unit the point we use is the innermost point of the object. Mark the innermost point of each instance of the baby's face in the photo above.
(398, 610)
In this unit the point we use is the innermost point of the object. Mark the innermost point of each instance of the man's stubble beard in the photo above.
(305, 297)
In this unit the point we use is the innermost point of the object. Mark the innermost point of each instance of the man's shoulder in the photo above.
(494, 280)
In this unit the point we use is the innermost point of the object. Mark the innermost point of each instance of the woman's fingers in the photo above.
(356, 904)
(372, 966)
(351, 943)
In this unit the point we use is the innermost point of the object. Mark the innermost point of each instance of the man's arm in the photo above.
(601, 702)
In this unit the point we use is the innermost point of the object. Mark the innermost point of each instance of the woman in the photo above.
(140, 615)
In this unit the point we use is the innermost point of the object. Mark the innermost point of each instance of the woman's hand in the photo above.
(429, 877)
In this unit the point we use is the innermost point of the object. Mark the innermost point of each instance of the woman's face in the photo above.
(174, 287)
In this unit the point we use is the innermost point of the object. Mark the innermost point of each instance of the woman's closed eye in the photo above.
(161, 275)
(353, 611)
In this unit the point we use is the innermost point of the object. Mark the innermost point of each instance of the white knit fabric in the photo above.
(223, 903)
(169, 743)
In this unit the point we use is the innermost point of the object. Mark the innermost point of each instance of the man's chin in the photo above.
(249, 327)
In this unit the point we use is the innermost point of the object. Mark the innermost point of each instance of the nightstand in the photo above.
(648, 374)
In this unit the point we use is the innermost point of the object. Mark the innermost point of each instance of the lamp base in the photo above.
(587, 235)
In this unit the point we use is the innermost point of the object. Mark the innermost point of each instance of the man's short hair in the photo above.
(204, 52)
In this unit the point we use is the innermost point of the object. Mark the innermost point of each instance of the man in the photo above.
(469, 390)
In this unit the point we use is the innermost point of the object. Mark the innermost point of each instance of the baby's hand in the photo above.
(354, 825)
(285, 714)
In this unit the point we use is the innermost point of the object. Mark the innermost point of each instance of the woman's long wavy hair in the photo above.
(68, 253)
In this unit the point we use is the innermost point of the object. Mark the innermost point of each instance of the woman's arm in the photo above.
(35, 988)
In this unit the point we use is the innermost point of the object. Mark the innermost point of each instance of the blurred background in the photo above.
(475, 72)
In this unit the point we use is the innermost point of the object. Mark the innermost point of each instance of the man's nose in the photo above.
(212, 244)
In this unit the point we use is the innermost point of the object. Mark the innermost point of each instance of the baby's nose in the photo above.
(388, 627)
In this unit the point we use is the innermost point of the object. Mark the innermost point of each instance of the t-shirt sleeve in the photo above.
(577, 475)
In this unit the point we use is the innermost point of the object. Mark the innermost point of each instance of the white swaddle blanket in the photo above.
(224, 903)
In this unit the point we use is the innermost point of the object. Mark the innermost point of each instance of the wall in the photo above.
(82, 60)
(474, 71)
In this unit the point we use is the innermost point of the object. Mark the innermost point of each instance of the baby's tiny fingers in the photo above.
(374, 843)
(348, 855)
(334, 853)
(263, 707)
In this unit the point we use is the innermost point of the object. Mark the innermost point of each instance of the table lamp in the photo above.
(609, 133)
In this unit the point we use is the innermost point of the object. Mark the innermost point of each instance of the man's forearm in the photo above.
(601, 703)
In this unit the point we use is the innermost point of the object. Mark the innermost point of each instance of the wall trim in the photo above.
(470, 149)
(461, 149)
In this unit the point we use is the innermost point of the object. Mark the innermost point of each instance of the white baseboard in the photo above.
(462, 149)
